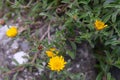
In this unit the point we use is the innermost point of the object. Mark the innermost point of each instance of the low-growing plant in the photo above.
(75, 21)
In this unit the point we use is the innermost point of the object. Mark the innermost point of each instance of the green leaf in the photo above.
(15, 62)
(15, 76)
(108, 58)
(84, 1)
(99, 76)
(51, 75)
(117, 63)
(96, 2)
(108, 76)
(71, 54)
(116, 50)
(112, 42)
(112, 6)
(114, 15)
(73, 46)
(4, 69)
(106, 17)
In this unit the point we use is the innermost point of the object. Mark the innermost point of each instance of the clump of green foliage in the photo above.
(77, 19)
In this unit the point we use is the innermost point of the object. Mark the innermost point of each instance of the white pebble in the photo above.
(21, 57)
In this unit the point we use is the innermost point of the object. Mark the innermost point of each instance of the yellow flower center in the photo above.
(12, 32)
(57, 63)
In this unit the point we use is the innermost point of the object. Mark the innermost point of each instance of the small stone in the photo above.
(6, 41)
(3, 30)
(15, 45)
(2, 21)
(9, 56)
(69, 69)
(77, 65)
(43, 63)
(21, 57)
(25, 70)
(36, 74)
(40, 70)
(25, 46)
(20, 79)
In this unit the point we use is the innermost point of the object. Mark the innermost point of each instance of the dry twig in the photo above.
(47, 32)
(49, 37)
(17, 69)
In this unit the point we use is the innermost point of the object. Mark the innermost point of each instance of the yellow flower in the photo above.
(56, 63)
(12, 32)
(99, 25)
(52, 49)
(52, 52)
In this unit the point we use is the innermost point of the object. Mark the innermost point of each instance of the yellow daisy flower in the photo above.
(51, 52)
(99, 25)
(12, 32)
(56, 63)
